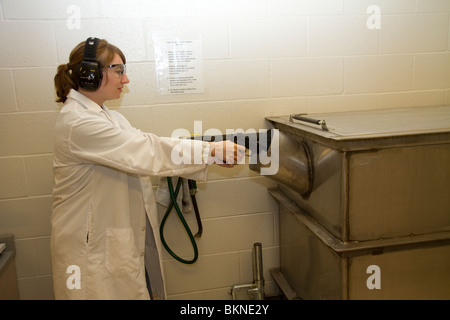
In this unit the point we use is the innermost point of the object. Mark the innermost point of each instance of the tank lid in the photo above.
(373, 123)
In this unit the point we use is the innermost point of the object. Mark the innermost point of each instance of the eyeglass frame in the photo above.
(120, 76)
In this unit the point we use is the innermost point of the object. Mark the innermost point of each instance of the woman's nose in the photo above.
(125, 79)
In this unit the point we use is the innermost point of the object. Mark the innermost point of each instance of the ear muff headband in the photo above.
(89, 73)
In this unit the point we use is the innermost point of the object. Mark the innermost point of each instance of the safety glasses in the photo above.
(118, 70)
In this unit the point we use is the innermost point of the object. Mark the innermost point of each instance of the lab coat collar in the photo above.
(91, 105)
(85, 101)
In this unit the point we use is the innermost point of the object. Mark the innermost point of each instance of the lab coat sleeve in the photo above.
(97, 140)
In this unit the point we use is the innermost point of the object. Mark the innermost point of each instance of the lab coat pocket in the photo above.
(121, 253)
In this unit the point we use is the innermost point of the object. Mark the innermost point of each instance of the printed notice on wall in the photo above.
(179, 66)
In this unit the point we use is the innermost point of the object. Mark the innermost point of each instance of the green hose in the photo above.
(173, 203)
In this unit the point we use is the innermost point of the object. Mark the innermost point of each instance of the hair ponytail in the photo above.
(66, 77)
(64, 82)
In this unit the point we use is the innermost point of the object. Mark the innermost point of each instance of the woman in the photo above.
(104, 219)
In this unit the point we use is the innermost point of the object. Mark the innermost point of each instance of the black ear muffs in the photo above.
(89, 71)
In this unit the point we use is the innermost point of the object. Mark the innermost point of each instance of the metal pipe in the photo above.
(295, 166)
(258, 278)
(255, 289)
(298, 168)
(257, 262)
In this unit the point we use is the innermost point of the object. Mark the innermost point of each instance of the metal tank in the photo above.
(364, 202)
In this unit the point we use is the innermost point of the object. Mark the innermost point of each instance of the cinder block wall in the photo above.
(260, 58)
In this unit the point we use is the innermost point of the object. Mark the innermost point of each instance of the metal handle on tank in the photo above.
(300, 117)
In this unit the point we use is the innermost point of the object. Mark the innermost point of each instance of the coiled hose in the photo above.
(173, 203)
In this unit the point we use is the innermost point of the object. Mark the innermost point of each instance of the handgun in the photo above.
(254, 142)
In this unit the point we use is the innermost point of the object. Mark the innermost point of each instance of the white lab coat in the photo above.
(102, 194)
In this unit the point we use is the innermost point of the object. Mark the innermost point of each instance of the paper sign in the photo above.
(179, 66)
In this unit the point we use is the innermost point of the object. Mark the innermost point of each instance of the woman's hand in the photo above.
(226, 153)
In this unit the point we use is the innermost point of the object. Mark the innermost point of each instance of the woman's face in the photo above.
(114, 78)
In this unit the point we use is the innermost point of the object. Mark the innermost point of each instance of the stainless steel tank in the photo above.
(364, 191)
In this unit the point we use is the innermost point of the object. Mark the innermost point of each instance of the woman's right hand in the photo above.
(226, 153)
